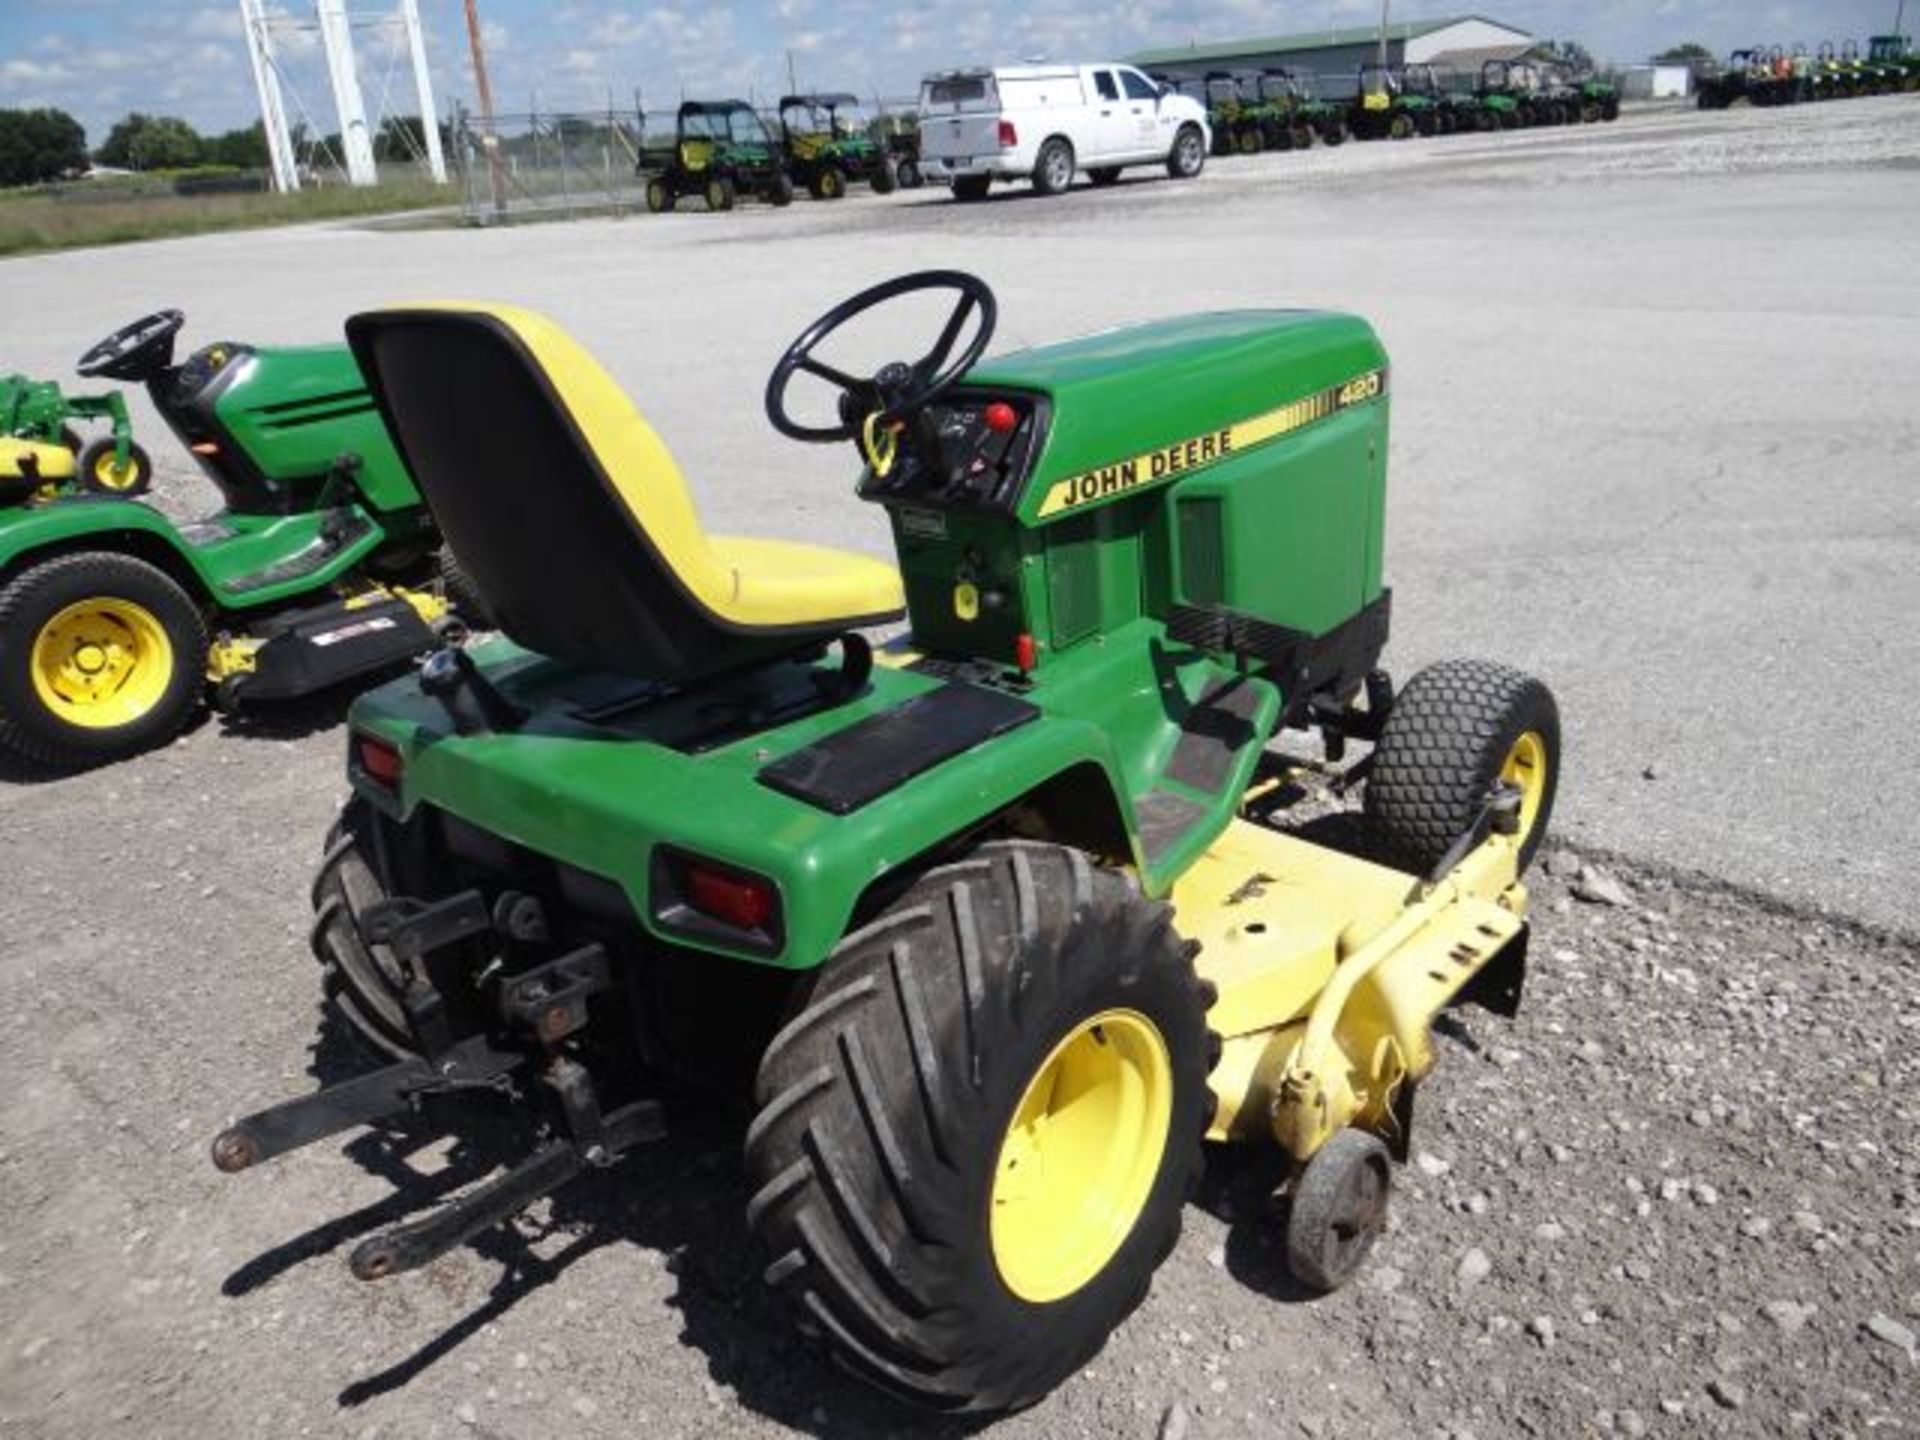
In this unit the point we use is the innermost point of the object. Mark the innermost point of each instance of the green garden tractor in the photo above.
(116, 624)
(1233, 115)
(42, 453)
(898, 133)
(1298, 116)
(718, 150)
(1453, 111)
(825, 143)
(990, 927)
(1384, 110)
(1896, 60)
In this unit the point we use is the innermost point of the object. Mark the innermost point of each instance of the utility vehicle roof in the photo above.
(713, 107)
(830, 101)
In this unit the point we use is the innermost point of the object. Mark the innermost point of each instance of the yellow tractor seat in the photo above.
(570, 515)
(696, 154)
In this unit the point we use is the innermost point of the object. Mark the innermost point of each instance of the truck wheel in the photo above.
(363, 982)
(659, 197)
(102, 474)
(975, 1140)
(1337, 1210)
(1053, 170)
(1188, 157)
(1455, 730)
(462, 594)
(884, 179)
(101, 656)
(720, 193)
(971, 187)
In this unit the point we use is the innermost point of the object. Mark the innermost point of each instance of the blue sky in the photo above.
(101, 58)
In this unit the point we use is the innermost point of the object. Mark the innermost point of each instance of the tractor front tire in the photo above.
(100, 473)
(1337, 1210)
(780, 191)
(101, 656)
(975, 1140)
(885, 178)
(1456, 730)
(660, 197)
(720, 193)
(827, 183)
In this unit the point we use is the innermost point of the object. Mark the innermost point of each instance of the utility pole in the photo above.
(1385, 6)
(489, 141)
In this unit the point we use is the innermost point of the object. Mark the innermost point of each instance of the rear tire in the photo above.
(362, 982)
(720, 193)
(886, 1155)
(885, 179)
(101, 656)
(780, 192)
(659, 197)
(1053, 168)
(827, 183)
(908, 173)
(1455, 730)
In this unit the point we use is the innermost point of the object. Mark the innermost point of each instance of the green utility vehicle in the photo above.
(116, 623)
(1515, 92)
(1233, 116)
(898, 133)
(826, 145)
(40, 451)
(1383, 109)
(1298, 116)
(1897, 61)
(1453, 111)
(991, 927)
(718, 150)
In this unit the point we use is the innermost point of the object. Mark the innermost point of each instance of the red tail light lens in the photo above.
(1009, 137)
(1000, 417)
(379, 761)
(743, 901)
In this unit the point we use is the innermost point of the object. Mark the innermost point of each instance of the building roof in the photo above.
(1308, 40)
(1473, 58)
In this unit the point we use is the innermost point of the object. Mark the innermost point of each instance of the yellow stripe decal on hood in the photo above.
(1199, 451)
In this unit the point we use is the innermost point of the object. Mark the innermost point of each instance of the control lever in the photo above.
(472, 702)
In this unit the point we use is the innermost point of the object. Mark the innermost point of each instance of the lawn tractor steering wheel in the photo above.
(135, 351)
(874, 411)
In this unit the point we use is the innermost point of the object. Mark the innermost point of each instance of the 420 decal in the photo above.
(1197, 452)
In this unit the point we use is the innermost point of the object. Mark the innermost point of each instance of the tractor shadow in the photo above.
(683, 1198)
(1240, 1189)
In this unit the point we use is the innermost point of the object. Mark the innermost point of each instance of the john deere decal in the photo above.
(1199, 451)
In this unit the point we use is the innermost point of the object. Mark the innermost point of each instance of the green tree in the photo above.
(1691, 52)
(1571, 53)
(151, 142)
(40, 145)
(245, 148)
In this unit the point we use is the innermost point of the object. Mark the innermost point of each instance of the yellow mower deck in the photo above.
(1330, 971)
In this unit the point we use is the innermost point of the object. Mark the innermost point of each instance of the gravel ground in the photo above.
(1680, 1195)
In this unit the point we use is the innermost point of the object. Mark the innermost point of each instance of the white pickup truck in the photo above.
(1044, 122)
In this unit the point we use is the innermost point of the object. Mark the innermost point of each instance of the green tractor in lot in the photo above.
(1585, 98)
(898, 133)
(990, 927)
(1454, 111)
(1297, 115)
(1383, 109)
(826, 145)
(116, 624)
(1515, 92)
(718, 150)
(1896, 60)
(1237, 120)
(41, 452)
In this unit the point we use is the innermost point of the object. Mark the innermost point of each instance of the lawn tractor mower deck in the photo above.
(988, 928)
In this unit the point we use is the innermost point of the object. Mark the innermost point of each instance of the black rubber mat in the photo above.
(1164, 817)
(1214, 733)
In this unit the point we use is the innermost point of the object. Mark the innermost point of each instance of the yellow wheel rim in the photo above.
(1526, 768)
(102, 663)
(114, 477)
(1080, 1155)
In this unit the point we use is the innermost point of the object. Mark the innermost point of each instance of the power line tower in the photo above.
(336, 26)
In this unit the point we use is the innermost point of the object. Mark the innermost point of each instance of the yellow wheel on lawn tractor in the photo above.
(101, 655)
(1526, 768)
(975, 1138)
(1080, 1155)
(104, 473)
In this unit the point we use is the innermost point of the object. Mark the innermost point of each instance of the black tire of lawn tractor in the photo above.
(1400, 127)
(908, 173)
(969, 188)
(1452, 730)
(1188, 155)
(1609, 110)
(660, 197)
(780, 191)
(1302, 137)
(1337, 1209)
(877, 1153)
(362, 982)
(1053, 168)
(1104, 175)
(1251, 141)
(149, 606)
(1426, 124)
(460, 591)
(827, 183)
(98, 474)
(720, 193)
(885, 179)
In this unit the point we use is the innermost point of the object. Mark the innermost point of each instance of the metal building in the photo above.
(1337, 55)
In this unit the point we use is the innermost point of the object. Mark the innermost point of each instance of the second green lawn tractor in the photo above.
(40, 451)
(1297, 117)
(1384, 109)
(825, 141)
(116, 624)
(990, 928)
(718, 150)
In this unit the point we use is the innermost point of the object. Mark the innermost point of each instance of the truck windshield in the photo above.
(961, 90)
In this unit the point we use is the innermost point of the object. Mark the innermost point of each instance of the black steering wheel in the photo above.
(135, 351)
(896, 391)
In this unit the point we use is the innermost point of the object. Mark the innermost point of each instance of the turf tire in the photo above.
(1337, 1210)
(1441, 751)
(35, 733)
(884, 1102)
(95, 466)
